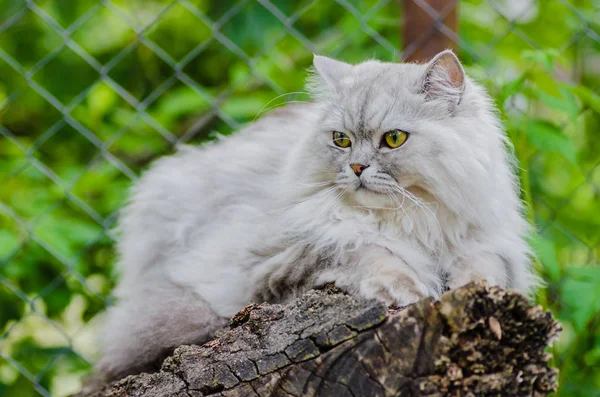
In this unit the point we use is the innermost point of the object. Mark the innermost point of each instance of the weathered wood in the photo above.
(422, 28)
(474, 341)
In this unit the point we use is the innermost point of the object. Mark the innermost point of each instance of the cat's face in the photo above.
(389, 129)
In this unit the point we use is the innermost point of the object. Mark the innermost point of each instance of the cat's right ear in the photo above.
(444, 78)
(330, 70)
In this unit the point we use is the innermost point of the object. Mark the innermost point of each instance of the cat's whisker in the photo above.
(334, 202)
(296, 203)
(427, 211)
(279, 105)
(317, 173)
(316, 184)
(389, 193)
(415, 200)
(309, 184)
(401, 206)
(264, 108)
(374, 208)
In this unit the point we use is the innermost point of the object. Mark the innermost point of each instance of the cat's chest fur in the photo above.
(335, 223)
(323, 241)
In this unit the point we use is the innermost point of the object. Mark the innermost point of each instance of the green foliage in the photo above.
(83, 112)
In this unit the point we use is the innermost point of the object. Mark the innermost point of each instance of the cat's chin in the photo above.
(365, 197)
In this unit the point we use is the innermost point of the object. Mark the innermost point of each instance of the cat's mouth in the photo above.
(366, 187)
(369, 196)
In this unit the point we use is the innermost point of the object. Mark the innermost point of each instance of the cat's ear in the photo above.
(444, 78)
(330, 70)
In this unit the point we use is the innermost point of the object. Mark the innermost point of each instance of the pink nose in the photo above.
(358, 168)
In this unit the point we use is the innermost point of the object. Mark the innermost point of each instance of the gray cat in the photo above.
(394, 183)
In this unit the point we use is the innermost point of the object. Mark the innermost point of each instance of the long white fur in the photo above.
(210, 229)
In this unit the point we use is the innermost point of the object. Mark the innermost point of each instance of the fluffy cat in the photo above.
(395, 183)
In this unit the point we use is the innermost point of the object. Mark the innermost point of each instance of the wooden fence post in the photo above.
(422, 38)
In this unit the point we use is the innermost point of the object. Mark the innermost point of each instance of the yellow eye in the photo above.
(395, 139)
(340, 139)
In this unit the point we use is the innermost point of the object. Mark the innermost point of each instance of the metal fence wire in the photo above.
(92, 91)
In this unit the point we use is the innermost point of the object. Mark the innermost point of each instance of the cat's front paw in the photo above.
(460, 278)
(394, 289)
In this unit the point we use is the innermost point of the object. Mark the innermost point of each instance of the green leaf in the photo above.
(587, 273)
(581, 294)
(588, 97)
(548, 137)
(546, 252)
(182, 101)
(546, 57)
(582, 299)
(100, 99)
(243, 107)
(8, 243)
(546, 82)
(512, 87)
(565, 102)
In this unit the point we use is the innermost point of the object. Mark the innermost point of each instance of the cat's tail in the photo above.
(148, 322)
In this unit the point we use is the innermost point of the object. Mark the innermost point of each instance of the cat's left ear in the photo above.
(444, 78)
(330, 70)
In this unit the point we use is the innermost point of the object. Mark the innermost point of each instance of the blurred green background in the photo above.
(92, 91)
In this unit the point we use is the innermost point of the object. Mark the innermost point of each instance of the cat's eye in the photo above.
(340, 139)
(394, 139)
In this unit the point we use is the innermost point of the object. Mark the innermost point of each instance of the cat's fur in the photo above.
(276, 209)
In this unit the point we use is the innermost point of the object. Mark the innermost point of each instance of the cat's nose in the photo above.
(358, 168)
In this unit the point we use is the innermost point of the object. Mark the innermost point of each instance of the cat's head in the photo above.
(386, 128)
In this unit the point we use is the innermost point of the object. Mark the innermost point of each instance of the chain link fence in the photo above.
(92, 91)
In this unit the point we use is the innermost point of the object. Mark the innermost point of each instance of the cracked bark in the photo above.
(475, 341)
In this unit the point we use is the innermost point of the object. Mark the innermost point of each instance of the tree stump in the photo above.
(475, 341)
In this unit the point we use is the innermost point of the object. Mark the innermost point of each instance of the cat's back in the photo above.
(182, 196)
(261, 149)
(240, 164)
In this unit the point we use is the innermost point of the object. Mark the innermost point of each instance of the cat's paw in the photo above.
(459, 278)
(397, 289)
